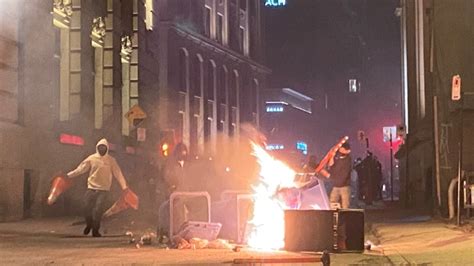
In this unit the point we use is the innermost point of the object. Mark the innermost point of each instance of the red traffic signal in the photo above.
(167, 142)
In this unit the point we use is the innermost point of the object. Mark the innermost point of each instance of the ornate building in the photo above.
(73, 71)
(210, 68)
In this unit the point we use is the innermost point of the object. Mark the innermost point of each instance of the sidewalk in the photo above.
(398, 237)
(420, 240)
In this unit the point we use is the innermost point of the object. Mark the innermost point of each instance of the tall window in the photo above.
(129, 53)
(196, 76)
(196, 114)
(182, 70)
(222, 99)
(244, 27)
(210, 103)
(241, 39)
(67, 17)
(234, 103)
(207, 21)
(183, 95)
(255, 101)
(220, 27)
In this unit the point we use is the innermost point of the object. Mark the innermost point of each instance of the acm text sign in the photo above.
(275, 3)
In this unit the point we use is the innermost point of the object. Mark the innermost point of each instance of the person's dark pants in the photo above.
(94, 203)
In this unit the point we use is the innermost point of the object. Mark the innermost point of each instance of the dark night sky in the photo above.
(315, 46)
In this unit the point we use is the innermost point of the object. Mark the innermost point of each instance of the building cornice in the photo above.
(217, 48)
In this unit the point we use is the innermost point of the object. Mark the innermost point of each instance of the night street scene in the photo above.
(236, 132)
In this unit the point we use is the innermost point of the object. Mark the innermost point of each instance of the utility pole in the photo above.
(391, 167)
(458, 220)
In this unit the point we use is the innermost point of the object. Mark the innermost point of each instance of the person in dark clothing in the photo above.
(340, 167)
(177, 177)
(176, 169)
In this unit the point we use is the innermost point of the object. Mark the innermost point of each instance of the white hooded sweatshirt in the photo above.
(101, 170)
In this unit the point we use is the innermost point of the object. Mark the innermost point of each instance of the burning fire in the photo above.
(268, 224)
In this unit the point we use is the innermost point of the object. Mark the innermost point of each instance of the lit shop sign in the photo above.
(389, 133)
(302, 146)
(275, 108)
(275, 3)
(71, 139)
(273, 147)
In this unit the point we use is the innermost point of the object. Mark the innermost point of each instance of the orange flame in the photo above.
(268, 225)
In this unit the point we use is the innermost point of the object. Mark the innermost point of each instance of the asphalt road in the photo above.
(57, 241)
(397, 240)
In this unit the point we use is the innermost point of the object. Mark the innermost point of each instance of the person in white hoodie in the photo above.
(101, 167)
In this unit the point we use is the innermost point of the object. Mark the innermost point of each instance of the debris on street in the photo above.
(198, 243)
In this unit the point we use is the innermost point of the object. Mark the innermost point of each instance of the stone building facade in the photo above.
(438, 37)
(70, 70)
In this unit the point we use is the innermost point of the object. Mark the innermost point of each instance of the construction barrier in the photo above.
(59, 185)
(127, 199)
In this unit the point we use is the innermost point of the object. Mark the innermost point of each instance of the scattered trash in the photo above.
(147, 238)
(181, 243)
(368, 245)
(198, 243)
(163, 239)
(220, 244)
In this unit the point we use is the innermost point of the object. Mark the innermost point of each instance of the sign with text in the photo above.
(456, 88)
(141, 134)
(389, 132)
(275, 3)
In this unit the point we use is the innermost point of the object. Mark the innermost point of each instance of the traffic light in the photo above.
(165, 149)
(166, 142)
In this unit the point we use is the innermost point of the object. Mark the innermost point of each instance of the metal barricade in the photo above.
(187, 195)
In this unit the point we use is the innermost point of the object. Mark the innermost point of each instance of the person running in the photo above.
(101, 167)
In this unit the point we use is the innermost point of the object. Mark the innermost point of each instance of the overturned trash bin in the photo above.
(309, 230)
(188, 206)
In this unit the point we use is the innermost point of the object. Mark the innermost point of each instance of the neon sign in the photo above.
(273, 147)
(275, 3)
(302, 146)
(275, 108)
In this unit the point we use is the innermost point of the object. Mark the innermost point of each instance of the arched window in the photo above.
(210, 83)
(183, 65)
(234, 102)
(196, 75)
(254, 100)
(222, 92)
(196, 116)
(183, 95)
(233, 90)
(210, 80)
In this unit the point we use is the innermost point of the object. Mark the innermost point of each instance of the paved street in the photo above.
(56, 241)
(395, 241)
